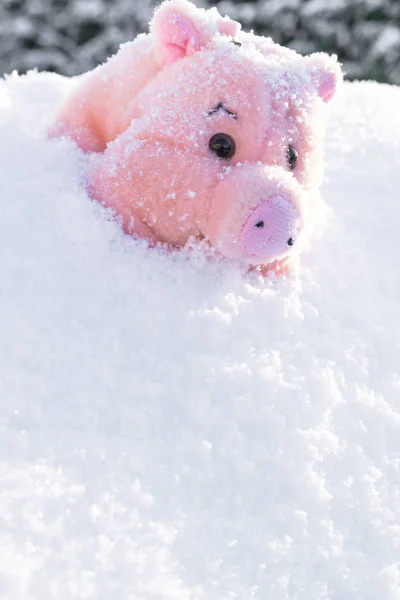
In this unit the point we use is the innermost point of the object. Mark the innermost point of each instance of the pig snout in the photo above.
(257, 214)
(270, 229)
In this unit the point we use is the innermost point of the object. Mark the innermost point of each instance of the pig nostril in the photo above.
(271, 230)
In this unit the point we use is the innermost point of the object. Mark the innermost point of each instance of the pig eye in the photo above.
(292, 157)
(222, 145)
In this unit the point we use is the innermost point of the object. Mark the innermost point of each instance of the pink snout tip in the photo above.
(271, 229)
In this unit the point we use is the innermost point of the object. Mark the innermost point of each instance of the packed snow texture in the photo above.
(172, 428)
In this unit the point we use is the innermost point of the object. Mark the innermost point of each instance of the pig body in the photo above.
(199, 130)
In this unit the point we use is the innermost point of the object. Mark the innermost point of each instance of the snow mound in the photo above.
(173, 429)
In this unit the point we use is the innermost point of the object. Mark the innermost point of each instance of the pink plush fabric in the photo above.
(195, 129)
(270, 229)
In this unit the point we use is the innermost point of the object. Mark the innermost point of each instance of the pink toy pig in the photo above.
(199, 130)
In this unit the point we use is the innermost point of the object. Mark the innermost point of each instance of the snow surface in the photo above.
(172, 429)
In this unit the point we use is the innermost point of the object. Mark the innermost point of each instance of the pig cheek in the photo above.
(162, 186)
(185, 191)
(225, 219)
(177, 201)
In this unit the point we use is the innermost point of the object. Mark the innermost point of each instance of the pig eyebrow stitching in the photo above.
(220, 106)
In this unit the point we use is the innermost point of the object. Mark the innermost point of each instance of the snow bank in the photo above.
(171, 429)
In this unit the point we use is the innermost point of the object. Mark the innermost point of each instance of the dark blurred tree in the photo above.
(72, 36)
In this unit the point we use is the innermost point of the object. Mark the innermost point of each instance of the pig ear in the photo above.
(326, 74)
(176, 30)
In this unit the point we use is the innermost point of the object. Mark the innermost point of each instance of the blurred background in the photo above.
(73, 36)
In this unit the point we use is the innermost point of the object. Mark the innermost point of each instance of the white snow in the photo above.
(172, 429)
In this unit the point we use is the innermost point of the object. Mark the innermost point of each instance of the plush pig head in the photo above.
(224, 141)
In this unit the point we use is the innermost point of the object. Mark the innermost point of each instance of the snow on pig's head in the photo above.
(227, 143)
